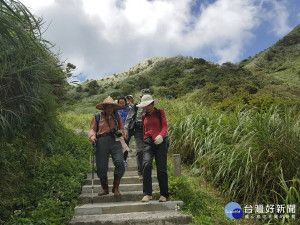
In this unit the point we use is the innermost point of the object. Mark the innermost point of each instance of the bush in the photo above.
(41, 178)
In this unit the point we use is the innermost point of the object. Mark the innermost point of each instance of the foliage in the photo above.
(205, 206)
(41, 163)
(181, 189)
(75, 121)
(41, 179)
(248, 154)
(31, 77)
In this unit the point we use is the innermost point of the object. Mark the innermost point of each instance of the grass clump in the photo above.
(41, 178)
(203, 202)
(249, 154)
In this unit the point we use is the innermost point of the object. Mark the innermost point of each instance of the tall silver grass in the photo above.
(27, 70)
(243, 153)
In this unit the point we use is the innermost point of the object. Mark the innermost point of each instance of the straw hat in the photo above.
(108, 101)
(146, 100)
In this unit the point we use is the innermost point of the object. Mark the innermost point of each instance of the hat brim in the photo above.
(146, 103)
(116, 106)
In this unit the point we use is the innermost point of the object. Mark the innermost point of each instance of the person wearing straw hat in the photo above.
(155, 145)
(106, 135)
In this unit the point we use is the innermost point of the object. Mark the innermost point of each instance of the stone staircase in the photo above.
(126, 209)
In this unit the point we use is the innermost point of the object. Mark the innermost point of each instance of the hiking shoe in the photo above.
(146, 198)
(162, 199)
(125, 164)
(140, 177)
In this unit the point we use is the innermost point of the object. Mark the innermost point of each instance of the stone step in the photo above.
(130, 161)
(86, 198)
(135, 218)
(111, 168)
(125, 207)
(124, 180)
(128, 173)
(122, 188)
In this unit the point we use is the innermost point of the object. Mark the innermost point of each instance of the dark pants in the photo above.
(125, 154)
(109, 146)
(138, 136)
(160, 153)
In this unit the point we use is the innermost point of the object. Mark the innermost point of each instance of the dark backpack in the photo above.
(97, 117)
(131, 123)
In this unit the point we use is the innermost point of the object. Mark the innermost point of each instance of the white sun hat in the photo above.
(146, 100)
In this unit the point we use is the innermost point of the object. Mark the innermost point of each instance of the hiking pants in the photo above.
(138, 136)
(106, 146)
(160, 153)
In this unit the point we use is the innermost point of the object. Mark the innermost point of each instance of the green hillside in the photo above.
(273, 76)
(176, 77)
(280, 62)
(279, 66)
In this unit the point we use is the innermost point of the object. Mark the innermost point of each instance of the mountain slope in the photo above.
(280, 62)
(272, 76)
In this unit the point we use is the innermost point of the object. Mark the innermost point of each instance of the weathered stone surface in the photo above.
(126, 209)
(136, 218)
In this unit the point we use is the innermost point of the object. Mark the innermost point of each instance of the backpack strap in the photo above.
(117, 116)
(97, 117)
(135, 112)
(158, 115)
(143, 117)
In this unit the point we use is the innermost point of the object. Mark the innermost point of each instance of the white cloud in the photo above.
(36, 5)
(276, 13)
(102, 37)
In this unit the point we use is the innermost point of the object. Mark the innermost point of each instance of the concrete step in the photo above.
(125, 207)
(130, 160)
(124, 180)
(131, 167)
(122, 188)
(135, 218)
(128, 173)
(86, 198)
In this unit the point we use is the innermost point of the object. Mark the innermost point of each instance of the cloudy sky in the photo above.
(103, 37)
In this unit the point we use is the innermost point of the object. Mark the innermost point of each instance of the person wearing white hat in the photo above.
(106, 134)
(155, 145)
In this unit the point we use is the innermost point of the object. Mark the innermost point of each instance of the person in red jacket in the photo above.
(155, 145)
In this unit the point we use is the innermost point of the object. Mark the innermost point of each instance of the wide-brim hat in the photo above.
(108, 101)
(147, 100)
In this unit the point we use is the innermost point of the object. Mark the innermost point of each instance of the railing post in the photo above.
(177, 165)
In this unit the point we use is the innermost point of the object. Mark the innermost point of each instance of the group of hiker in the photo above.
(111, 132)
